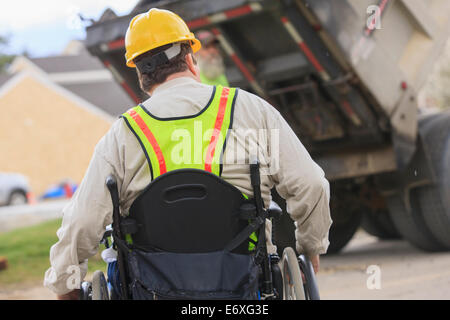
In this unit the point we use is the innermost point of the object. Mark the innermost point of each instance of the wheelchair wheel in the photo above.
(311, 289)
(292, 277)
(99, 286)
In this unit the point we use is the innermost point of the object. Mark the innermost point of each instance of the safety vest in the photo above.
(191, 142)
(195, 142)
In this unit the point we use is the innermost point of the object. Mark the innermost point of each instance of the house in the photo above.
(82, 74)
(54, 111)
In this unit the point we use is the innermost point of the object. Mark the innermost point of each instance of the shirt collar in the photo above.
(172, 83)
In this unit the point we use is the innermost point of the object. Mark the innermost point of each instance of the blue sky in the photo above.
(44, 27)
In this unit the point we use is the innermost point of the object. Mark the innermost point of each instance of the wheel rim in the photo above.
(292, 278)
(288, 285)
(99, 286)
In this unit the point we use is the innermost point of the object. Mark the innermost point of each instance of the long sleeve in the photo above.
(302, 183)
(84, 220)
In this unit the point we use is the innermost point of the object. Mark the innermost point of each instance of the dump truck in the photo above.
(345, 74)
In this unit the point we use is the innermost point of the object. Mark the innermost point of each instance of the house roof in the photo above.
(4, 78)
(107, 95)
(68, 63)
(88, 78)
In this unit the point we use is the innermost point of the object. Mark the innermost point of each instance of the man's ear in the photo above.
(192, 64)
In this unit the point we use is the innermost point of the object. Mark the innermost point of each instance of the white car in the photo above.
(14, 189)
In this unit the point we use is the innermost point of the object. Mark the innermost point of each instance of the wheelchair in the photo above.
(192, 235)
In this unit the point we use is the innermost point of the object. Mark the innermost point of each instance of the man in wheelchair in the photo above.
(176, 177)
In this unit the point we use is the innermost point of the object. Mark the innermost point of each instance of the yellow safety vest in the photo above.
(195, 142)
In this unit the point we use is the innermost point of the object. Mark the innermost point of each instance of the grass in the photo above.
(27, 250)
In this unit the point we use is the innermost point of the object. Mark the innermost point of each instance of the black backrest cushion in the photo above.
(188, 211)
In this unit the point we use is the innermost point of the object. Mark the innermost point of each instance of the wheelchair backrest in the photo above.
(188, 211)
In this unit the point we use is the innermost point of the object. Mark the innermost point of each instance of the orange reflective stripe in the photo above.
(151, 138)
(217, 128)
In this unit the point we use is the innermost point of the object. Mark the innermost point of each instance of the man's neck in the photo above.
(184, 74)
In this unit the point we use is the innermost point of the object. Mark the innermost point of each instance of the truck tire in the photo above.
(410, 224)
(435, 199)
(346, 221)
(379, 224)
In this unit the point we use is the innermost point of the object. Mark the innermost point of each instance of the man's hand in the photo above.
(72, 295)
(315, 263)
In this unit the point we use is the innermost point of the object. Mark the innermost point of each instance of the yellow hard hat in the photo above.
(154, 29)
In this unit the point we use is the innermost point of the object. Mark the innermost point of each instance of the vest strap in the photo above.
(217, 128)
(151, 138)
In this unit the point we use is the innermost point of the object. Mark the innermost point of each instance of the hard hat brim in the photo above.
(195, 45)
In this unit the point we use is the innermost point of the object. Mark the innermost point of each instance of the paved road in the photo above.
(405, 272)
(32, 293)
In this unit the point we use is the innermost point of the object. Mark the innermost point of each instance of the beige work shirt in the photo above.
(285, 164)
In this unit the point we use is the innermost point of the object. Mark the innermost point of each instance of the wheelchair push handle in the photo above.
(254, 174)
(111, 184)
(111, 181)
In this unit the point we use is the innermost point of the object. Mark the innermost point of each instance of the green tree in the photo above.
(5, 59)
